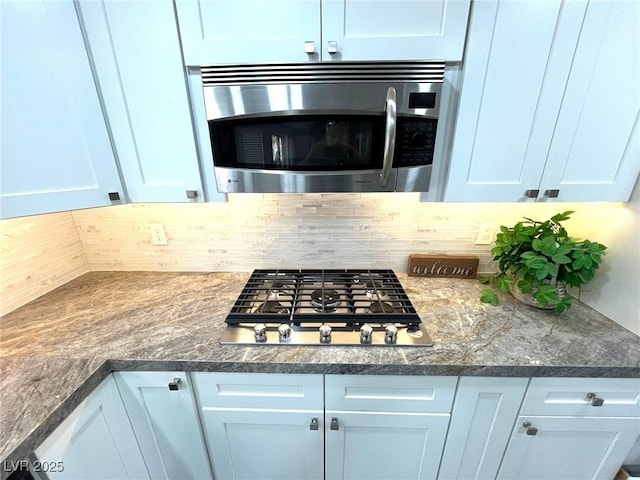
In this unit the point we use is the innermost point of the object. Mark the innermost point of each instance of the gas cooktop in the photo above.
(324, 307)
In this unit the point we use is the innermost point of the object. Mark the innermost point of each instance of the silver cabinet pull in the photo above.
(552, 193)
(192, 194)
(175, 385)
(595, 400)
(389, 137)
(310, 47)
(332, 47)
(531, 193)
(530, 430)
(314, 424)
(334, 424)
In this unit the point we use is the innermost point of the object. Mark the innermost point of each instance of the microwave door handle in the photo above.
(389, 137)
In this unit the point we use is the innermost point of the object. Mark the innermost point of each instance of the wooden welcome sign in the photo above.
(449, 266)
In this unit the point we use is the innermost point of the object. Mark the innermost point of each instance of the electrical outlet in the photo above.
(158, 235)
(485, 233)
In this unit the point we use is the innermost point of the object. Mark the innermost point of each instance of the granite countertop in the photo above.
(56, 349)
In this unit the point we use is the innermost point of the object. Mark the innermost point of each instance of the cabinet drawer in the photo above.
(577, 396)
(258, 390)
(384, 393)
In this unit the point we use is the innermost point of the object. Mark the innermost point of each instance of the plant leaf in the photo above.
(546, 295)
(503, 283)
(536, 263)
(565, 304)
(561, 259)
(525, 286)
(489, 296)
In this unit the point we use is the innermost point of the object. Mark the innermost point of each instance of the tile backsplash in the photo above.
(288, 231)
(377, 230)
(39, 253)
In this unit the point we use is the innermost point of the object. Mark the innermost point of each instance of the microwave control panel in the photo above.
(415, 141)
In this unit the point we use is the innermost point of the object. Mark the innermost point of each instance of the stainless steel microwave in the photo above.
(323, 127)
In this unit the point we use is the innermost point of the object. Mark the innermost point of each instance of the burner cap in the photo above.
(381, 307)
(271, 306)
(327, 299)
(373, 285)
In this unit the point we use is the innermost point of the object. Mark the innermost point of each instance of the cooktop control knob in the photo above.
(260, 332)
(366, 334)
(325, 333)
(390, 334)
(284, 332)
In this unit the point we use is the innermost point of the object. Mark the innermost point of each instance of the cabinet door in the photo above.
(56, 153)
(596, 145)
(144, 89)
(248, 31)
(166, 423)
(481, 422)
(393, 30)
(265, 444)
(96, 441)
(508, 106)
(375, 445)
(568, 448)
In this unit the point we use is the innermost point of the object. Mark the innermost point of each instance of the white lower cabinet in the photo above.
(481, 422)
(95, 441)
(573, 428)
(568, 448)
(266, 426)
(173, 425)
(274, 426)
(163, 413)
(380, 445)
(381, 427)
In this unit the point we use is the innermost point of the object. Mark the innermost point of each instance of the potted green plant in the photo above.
(537, 260)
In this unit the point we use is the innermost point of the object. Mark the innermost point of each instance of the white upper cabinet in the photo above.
(261, 31)
(248, 31)
(138, 62)
(595, 152)
(549, 103)
(56, 153)
(394, 30)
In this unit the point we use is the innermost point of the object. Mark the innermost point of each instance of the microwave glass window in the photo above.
(295, 143)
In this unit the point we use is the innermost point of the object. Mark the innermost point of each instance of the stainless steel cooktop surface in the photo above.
(324, 307)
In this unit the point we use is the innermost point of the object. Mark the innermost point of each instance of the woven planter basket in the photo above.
(528, 299)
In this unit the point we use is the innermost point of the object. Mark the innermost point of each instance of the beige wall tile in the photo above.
(39, 253)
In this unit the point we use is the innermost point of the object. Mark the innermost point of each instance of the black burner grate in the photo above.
(346, 298)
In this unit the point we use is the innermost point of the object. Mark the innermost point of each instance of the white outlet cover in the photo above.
(158, 235)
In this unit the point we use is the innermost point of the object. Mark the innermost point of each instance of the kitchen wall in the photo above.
(333, 231)
(615, 290)
(38, 254)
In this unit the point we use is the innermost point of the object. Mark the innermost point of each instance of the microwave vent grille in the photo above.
(330, 72)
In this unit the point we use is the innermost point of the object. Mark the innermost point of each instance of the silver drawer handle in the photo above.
(595, 400)
(175, 385)
(314, 424)
(334, 424)
(530, 430)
